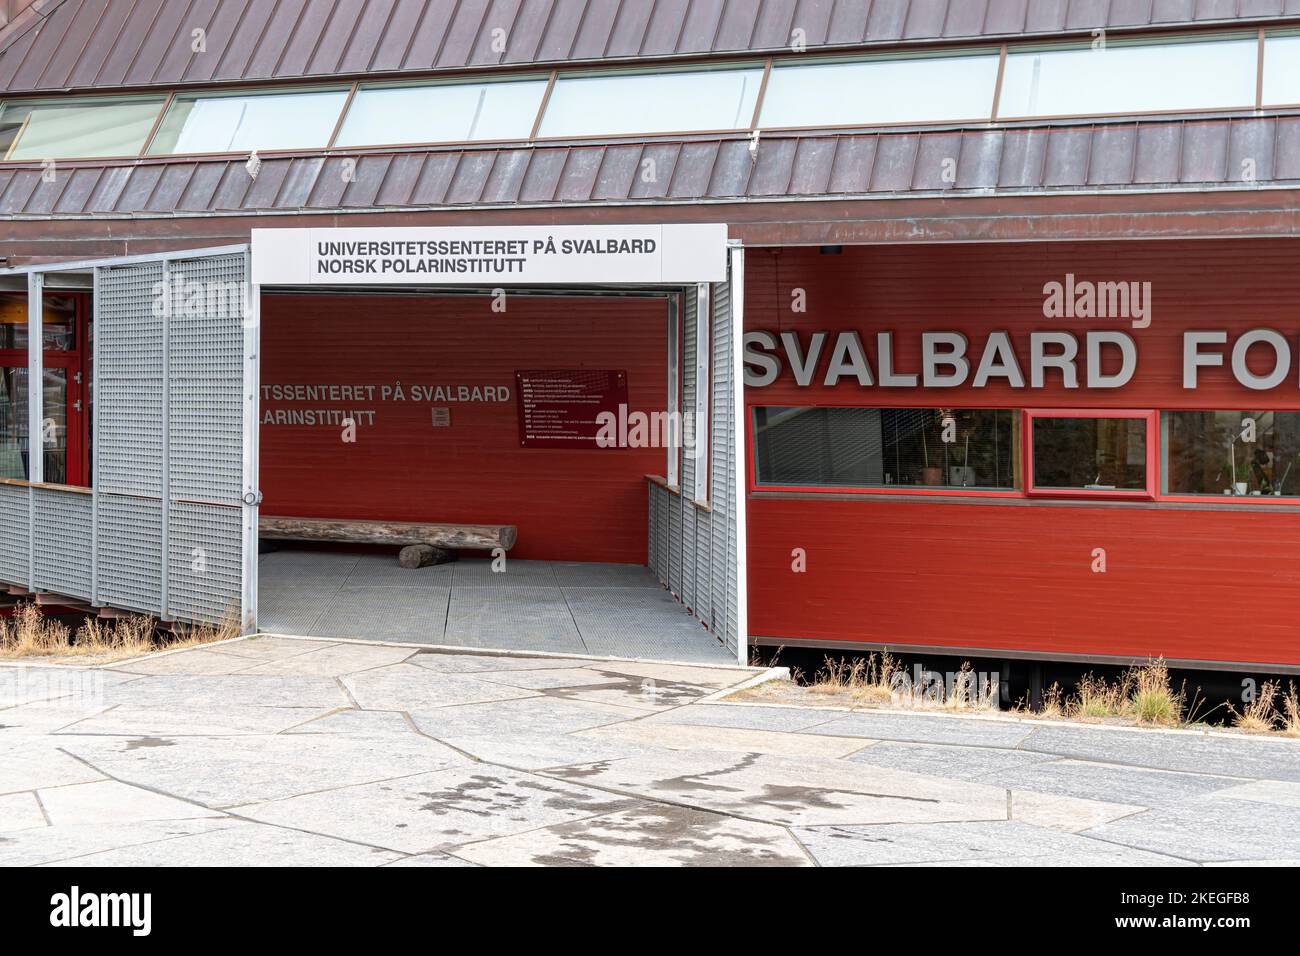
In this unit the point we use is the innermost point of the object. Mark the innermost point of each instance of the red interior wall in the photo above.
(1213, 585)
(572, 505)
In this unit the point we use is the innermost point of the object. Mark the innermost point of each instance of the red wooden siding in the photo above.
(1012, 574)
(575, 505)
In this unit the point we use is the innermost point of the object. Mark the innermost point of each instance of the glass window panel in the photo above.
(873, 92)
(1231, 453)
(13, 424)
(1090, 454)
(58, 325)
(76, 129)
(651, 103)
(1130, 78)
(217, 123)
(1282, 70)
(448, 112)
(886, 447)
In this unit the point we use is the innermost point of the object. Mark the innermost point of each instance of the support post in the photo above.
(740, 428)
(35, 409)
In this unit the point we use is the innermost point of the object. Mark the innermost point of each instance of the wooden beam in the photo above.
(475, 537)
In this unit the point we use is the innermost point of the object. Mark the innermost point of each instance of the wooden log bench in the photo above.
(421, 543)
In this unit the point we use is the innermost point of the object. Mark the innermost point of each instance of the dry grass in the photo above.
(1143, 695)
(1151, 700)
(29, 633)
(1291, 712)
(866, 680)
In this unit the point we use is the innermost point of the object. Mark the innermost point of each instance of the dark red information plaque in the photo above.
(558, 408)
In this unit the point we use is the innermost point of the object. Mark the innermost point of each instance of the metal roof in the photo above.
(103, 44)
(1186, 154)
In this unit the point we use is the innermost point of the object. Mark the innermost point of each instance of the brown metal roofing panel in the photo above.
(72, 40)
(1288, 148)
(249, 33)
(1262, 8)
(174, 56)
(402, 25)
(1168, 11)
(895, 162)
(628, 33)
(1216, 9)
(81, 183)
(16, 195)
(299, 181)
(435, 177)
(202, 187)
(1024, 156)
(309, 27)
(1159, 153)
(232, 188)
(221, 26)
(693, 170)
(1046, 16)
(526, 34)
(887, 20)
(264, 190)
(462, 32)
(367, 36)
(810, 174)
(126, 51)
(664, 28)
(45, 195)
(108, 188)
(777, 19)
(1006, 17)
(367, 178)
(1087, 14)
(506, 180)
(737, 24)
(331, 183)
(732, 169)
(28, 57)
(139, 187)
(334, 39)
(980, 160)
(966, 19)
(471, 178)
(773, 168)
(848, 22)
(855, 158)
(595, 29)
(493, 39)
(813, 17)
(1251, 145)
(1205, 152)
(926, 18)
(543, 176)
(1113, 155)
(1125, 13)
(275, 39)
(936, 161)
(700, 26)
(617, 171)
(400, 181)
(172, 25)
(171, 186)
(1068, 151)
(561, 30)
(655, 174)
(578, 179)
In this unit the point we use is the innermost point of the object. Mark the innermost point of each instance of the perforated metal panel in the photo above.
(205, 570)
(63, 549)
(129, 546)
(723, 473)
(689, 464)
(15, 534)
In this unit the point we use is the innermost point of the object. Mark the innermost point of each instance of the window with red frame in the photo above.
(1088, 453)
(65, 331)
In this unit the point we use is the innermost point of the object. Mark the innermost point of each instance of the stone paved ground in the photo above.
(276, 751)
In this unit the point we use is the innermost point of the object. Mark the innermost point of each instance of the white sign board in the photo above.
(491, 255)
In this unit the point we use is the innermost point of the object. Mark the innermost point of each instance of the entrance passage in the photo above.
(607, 610)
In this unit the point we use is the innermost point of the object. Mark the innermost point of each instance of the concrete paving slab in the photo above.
(231, 771)
(1211, 828)
(20, 811)
(1107, 782)
(538, 679)
(927, 729)
(108, 801)
(1006, 842)
(45, 717)
(35, 764)
(264, 648)
(27, 685)
(946, 760)
(242, 844)
(408, 688)
(430, 859)
(1265, 791)
(195, 661)
(174, 720)
(213, 692)
(527, 751)
(726, 739)
(791, 719)
(437, 811)
(336, 660)
(66, 844)
(645, 835)
(531, 715)
(804, 791)
(1070, 814)
(1232, 756)
(357, 723)
(697, 676)
(641, 693)
(447, 663)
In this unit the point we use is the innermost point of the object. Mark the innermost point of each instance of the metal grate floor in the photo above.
(614, 610)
